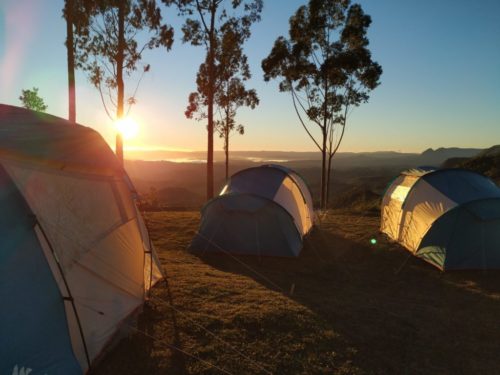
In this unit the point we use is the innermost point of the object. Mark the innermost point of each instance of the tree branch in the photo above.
(113, 103)
(302, 122)
(104, 102)
(200, 12)
(341, 134)
(135, 91)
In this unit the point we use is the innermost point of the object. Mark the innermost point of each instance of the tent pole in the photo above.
(150, 251)
(483, 252)
(68, 290)
(257, 238)
(458, 214)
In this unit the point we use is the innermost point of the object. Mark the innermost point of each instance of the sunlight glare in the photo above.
(127, 127)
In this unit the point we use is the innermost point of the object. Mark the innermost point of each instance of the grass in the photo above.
(356, 308)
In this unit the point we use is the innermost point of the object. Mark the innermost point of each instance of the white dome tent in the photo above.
(448, 217)
(76, 257)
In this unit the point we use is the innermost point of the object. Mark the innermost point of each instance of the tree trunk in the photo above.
(119, 76)
(323, 172)
(227, 160)
(328, 179)
(324, 181)
(210, 105)
(210, 147)
(332, 154)
(226, 148)
(71, 62)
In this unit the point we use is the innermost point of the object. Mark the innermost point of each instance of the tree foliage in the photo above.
(326, 66)
(108, 49)
(231, 96)
(232, 70)
(221, 29)
(31, 100)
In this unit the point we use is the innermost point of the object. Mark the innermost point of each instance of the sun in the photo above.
(127, 127)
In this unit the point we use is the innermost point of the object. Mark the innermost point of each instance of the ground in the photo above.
(345, 306)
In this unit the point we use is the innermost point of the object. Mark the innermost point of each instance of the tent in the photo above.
(265, 210)
(448, 217)
(75, 257)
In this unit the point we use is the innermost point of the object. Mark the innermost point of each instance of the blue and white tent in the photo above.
(75, 257)
(448, 217)
(265, 210)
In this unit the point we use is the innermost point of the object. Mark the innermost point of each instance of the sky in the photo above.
(440, 86)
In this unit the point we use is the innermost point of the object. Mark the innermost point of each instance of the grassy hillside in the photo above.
(358, 199)
(486, 162)
(355, 309)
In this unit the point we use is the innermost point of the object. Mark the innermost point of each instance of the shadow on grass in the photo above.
(399, 314)
(138, 352)
(355, 309)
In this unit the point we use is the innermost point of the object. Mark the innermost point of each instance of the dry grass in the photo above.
(351, 312)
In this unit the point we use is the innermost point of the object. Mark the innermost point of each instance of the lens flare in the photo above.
(127, 127)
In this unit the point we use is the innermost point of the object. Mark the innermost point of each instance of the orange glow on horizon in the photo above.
(149, 148)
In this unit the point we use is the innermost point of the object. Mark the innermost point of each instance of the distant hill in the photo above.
(453, 162)
(440, 155)
(310, 158)
(487, 162)
(492, 151)
(182, 183)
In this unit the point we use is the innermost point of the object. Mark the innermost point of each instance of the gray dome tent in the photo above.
(448, 217)
(265, 210)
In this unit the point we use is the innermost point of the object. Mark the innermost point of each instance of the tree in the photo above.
(68, 12)
(327, 67)
(205, 19)
(232, 95)
(231, 66)
(109, 50)
(32, 100)
(76, 13)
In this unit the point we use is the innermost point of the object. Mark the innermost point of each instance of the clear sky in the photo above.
(440, 86)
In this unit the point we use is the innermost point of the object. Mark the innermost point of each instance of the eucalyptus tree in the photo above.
(230, 93)
(76, 14)
(205, 22)
(230, 97)
(69, 15)
(326, 66)
(111, 49)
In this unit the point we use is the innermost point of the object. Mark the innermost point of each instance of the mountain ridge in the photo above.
(287, 156)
